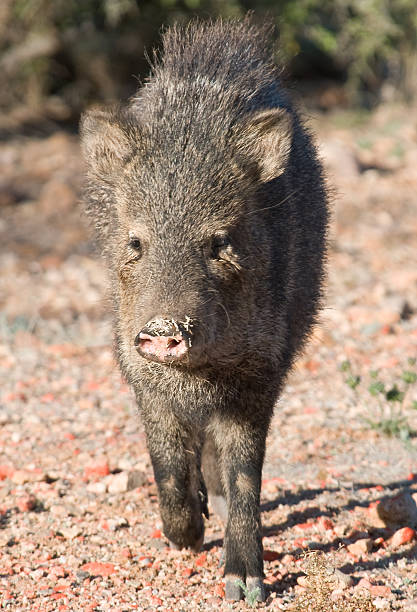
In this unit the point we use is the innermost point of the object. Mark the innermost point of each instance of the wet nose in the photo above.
(164, 340)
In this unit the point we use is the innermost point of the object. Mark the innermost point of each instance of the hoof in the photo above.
(256, 584)
(219, 505)
(196, 547)
(233, 590)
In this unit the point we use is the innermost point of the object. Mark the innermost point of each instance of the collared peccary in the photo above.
(211, 209)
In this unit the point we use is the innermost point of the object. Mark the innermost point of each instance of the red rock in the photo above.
(360, 547)
(201, 560)
(312, 366)
(145, 561)
(97, 470)
(310, 409)
(61, 587)
(126, 552)
(303, 526)
(390, 363)
(373, 517)
(379, 590)
(12, 397)
(364, 584)
(93, 385)
(272, 578)
(270, 555)
(156, 533)
(187, 572)
(57, 571)
(301, 542)
(57, 596)
(26, 503)
(219, 590)
(402, 536)
(98, 569)
(287, 559)
(6, 472)
(157, 601)
(47, 397)
(325, 523)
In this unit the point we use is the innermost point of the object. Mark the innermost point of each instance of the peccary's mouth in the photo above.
(165, 340)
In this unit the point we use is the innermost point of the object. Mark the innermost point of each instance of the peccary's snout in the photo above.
(164, 340)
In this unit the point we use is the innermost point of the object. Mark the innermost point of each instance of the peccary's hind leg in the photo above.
(212, 477)
(182, 495)
(242, 446)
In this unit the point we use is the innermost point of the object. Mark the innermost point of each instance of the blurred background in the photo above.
(57, 56)
(345, 431)
(352, 66)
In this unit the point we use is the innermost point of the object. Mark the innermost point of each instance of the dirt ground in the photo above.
(79, 523)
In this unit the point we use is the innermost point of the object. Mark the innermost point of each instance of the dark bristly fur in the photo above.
(212, 171)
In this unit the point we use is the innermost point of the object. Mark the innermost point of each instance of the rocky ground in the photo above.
(79, 523)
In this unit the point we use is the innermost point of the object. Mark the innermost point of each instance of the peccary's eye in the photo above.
(219, 243)
(135, 243)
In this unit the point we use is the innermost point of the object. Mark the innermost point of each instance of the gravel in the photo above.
(79, 522)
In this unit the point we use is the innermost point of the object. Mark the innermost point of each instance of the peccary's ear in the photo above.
(267, 141)
(104, 142)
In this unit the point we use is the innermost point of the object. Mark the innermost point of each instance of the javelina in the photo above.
(211, 208)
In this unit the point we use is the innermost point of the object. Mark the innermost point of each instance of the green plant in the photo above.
(391, 400)
(250, 596)
(79, 51)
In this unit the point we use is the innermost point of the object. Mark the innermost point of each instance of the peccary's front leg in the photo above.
(175, 458)
(242, 447)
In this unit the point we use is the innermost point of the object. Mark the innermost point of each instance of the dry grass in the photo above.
(324, 589)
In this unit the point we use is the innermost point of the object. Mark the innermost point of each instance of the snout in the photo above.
(165, 340)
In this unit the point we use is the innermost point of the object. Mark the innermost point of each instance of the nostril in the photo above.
(164, 340)
(161, 348)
